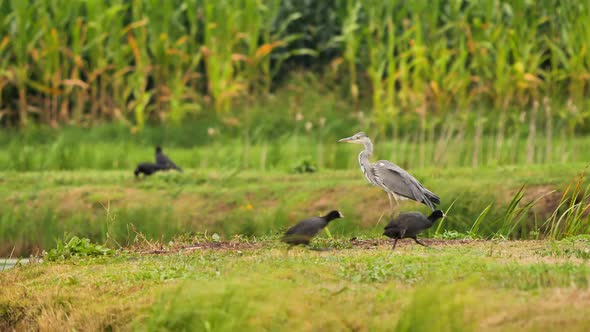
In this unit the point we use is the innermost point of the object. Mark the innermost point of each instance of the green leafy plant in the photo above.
(305, 166)
(76, 247)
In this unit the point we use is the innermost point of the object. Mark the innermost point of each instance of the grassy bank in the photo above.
(114, 207)
(469, 286)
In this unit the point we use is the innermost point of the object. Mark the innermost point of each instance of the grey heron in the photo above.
(408, 224)
(163, 160)
(397, 183)
(306, 229)
(148, 169)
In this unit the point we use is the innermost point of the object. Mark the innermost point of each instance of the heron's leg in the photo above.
(390, 203)
(380, 217)
(420, 243)
(391, 199)
(394, 243)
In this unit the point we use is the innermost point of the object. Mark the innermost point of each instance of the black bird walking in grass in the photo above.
(148, 169)
(163, 160)
(306, 229)
(409, 224)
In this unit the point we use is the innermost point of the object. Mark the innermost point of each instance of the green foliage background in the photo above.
(83, 62)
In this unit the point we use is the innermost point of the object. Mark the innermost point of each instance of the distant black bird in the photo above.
(163, 160)
(148, 169)
(409, 224)
(306, 229)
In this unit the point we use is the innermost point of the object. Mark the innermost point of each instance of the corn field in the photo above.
(82, 62)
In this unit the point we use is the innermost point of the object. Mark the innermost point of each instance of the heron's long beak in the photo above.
(347, 139)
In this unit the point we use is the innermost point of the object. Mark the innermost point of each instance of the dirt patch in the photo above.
(325, 200)
(88, 197)
(374, 243)
(372, 201)
(239, 246)
(548, 199)
(221, 245)
(190, 205)
(75, 199)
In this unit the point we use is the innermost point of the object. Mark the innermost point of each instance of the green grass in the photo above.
(114, 147)
(116, 208)
(473, 286)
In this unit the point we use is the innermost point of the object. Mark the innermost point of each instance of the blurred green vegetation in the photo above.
(83, 62)
(302, 122)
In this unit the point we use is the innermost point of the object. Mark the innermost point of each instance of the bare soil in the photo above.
(241, 245)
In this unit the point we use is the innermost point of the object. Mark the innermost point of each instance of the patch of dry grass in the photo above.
(459, 285)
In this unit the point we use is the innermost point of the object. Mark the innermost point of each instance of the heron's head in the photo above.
(158, 149)
(358, 138)
(334, 214)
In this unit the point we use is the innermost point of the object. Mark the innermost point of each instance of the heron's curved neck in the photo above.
(364, 157)
(368, 147)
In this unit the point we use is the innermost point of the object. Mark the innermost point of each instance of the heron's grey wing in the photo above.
(399, 181)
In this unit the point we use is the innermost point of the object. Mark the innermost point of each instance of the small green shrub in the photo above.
(305, 166)
(76, 247)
